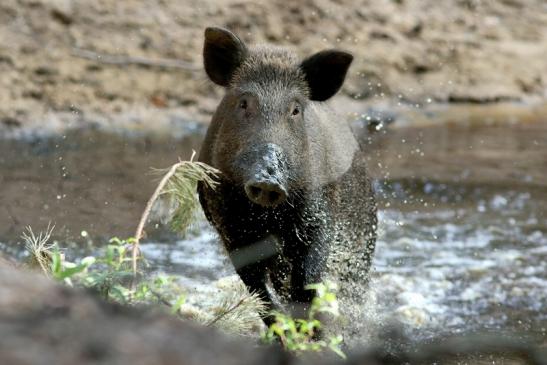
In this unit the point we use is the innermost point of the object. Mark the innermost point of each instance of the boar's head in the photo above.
(259, 137)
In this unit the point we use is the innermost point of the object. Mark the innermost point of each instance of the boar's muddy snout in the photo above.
(266, 185)
(266, 192)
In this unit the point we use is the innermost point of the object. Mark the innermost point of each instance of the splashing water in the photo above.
(448, 260)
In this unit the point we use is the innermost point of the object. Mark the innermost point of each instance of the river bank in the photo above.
(100, 61)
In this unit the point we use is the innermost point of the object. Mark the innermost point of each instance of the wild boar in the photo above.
(294, 205)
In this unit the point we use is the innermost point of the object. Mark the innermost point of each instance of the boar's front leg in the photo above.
(251, 263)
(307, 268)
(254, 277)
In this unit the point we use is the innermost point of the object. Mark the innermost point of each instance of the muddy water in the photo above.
(458, 250)
(84, 180)
(449, 259)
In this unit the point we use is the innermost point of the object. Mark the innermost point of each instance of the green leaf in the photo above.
(178, 303)
(56, 263)
(71, 271)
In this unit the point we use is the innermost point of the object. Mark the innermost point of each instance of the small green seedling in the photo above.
(298, 335)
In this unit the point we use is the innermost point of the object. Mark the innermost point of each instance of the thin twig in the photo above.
(122, 60)
(148, 209)
(146, 213)
(226, 312)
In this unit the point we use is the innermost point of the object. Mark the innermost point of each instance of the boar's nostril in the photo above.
(265, 193)
(274, 197)
(254, 190)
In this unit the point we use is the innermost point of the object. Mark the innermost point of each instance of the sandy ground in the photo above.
(412, 50)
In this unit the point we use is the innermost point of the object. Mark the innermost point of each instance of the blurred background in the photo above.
(449, 98)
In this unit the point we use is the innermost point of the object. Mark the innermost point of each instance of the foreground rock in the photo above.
(44, 323)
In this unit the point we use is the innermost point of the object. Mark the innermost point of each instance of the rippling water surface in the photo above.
(465, 259)
(448, 259)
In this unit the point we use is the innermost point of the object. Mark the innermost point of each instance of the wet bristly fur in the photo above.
(266, 67)
(325, 230)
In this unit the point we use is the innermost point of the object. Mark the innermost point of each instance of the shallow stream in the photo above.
(448, 259)
(451, 256)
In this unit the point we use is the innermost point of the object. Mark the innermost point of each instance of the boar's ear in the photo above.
(223, 52)
(325, 73)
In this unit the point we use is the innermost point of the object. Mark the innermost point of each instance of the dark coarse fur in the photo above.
(325, 229)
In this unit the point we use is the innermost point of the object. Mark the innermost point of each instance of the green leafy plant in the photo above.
(111, 275)
(298, 335)
(64, 271)
(108, 273)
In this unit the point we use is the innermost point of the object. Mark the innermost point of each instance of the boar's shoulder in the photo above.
(332, 144)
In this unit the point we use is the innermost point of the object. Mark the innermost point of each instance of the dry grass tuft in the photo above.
(178, 185)
(238, 312)
(180, 192)
(39, 248)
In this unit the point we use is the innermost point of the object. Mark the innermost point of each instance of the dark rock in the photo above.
(44, 323)
(11, 122)
(62, 16)
(46, 71)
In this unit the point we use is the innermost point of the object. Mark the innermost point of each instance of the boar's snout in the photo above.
(266, 192)
(266, 185)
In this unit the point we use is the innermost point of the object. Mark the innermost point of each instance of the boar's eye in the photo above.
(243, 104)
(295, 110)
